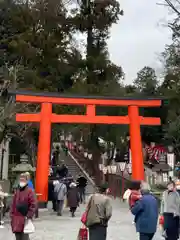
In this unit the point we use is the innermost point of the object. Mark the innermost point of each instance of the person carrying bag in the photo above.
(22, 210)
(29, 227)
(97, 215)
(85, 214)
(60, 192)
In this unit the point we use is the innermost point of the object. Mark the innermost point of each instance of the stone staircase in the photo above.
(75, 168)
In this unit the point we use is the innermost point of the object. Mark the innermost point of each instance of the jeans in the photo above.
(146, 236)
(82, 194)
(60, 204)
(171, 226)
(21, 236)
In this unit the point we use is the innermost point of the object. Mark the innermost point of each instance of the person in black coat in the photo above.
(82, 183)
(51, 196)
(62, 170)
(73, 198)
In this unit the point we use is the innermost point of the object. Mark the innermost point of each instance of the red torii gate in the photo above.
(46, 118)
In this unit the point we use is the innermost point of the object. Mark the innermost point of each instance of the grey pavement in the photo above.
(51, 227)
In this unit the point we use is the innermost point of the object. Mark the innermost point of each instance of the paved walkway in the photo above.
(51, 227)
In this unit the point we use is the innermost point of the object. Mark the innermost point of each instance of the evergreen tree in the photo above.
(37, 39)
(146, 81)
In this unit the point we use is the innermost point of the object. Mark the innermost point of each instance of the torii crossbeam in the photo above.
(46, 118)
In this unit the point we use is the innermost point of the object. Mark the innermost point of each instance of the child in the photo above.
(135, 194)
(134, 197)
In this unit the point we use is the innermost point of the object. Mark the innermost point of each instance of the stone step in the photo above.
(74, 170)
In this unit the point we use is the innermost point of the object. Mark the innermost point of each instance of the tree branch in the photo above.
(172, 6)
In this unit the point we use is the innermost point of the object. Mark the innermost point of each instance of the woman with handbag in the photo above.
(23, 209)
(98, 214)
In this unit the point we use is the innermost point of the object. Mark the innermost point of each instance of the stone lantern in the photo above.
(24, 166)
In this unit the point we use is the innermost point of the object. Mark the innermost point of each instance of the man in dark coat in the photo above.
(82, 183)
(146, 214)
(51, 196)
(55, 157)
(62, 170)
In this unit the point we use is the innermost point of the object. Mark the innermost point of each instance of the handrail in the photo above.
(82, 169)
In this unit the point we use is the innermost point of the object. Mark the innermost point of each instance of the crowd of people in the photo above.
(65, 190)
(69, 191)
(142, 204)
(144, 207)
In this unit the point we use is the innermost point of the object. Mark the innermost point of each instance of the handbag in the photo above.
(85, 214)
(29, 227)
(83, 233)
(22, 208)
(161, 220)
(84, 218)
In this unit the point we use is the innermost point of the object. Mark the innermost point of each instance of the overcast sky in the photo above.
(139, 36)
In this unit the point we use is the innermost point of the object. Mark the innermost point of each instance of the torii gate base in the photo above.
(46, 118)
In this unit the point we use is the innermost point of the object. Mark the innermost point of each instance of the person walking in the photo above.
(145, 211)
(99, 212)
(82, 183)
(73, 198)
(60, 191)
(51, 195)
(63, 170)
(170, 210)
(2, 196)
(23, 208)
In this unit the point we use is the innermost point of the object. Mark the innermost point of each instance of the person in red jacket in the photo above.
(23, 207)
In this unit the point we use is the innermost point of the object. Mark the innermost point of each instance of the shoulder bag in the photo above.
(85, 214)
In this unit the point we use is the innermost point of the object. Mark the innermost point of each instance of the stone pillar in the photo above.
(6, 159)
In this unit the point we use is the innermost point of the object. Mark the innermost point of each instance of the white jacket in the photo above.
(127, 195)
